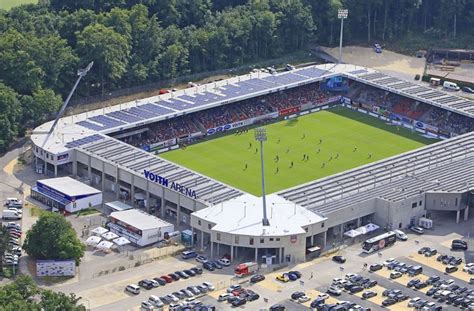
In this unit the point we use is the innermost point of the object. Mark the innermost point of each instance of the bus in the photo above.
(381, 241)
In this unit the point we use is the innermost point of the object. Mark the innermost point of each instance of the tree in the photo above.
(9, 115)
(36, 108)
(109, 50)
(52, 237)
(25, 295)
(4, 238)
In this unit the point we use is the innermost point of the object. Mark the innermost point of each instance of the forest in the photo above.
(135, 42)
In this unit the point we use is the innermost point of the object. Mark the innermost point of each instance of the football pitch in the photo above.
(309, 147)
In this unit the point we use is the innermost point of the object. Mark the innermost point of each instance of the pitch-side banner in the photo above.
(288, 111)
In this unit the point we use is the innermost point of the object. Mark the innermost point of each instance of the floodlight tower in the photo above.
(342, 15)
(261, 136)
(81, 73)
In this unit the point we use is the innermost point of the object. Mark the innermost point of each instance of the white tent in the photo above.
(93, 240)
(352, 233)
(99, 231)
(362, 230)
(104, 245)
(371, 227)
(109, 235)
(121, 241)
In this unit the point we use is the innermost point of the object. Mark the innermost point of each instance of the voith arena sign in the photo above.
(171, 185)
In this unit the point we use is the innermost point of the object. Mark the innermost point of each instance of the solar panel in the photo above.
(84, 140)
(91, 126)
(358, 72)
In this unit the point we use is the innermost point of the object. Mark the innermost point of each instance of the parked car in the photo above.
(333, 290)
(197, 270)
(201, 259)
(467, 89)
(167, 278)
(417, 230)
(239, 302)
(208, 266)
(339, 259)
(297, 295)
(282, 277)
(459, 245)
(161, 281)
(147, 284)
(413, 282)
(388, 302)
(182, 274)
(216, 264)
(369, 294)
(224, 262)
(257, 278)
(400, 235)
(451, 269)
(304, 299)
(210, 286)
(277, 307)
(146, 306)
(297, 273)
(395, 275)
(189, 272)
(375, 267)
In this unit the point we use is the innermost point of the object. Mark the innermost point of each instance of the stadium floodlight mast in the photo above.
(342, 15)
(261, 136)
(81, 73)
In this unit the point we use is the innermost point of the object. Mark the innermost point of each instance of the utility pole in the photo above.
(342, 15)
(261, 136)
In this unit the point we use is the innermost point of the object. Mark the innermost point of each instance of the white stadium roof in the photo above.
(243, 216)
(69, 186)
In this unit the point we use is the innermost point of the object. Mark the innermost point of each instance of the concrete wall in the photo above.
(443, 201)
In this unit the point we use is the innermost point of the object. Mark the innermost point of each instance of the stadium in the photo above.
(347, 148)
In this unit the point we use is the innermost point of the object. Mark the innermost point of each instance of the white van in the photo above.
(132, 288)
(400, 235)
(451, 86)
(11, 214)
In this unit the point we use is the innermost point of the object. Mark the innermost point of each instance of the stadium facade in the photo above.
(392, 193)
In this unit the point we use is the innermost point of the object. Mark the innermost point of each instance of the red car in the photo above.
(167, 278)
(238, 292)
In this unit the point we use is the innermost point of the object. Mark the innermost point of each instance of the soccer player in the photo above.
(355, 149)
(304, 157)
(319, 150)
(246, 166)
(307, 158)
(370, 155)
(278, 141)
(256, 150)
(277, 158)
(337, 155)
(291, 164)
(323, 165)
(250, 145)
(277, 170)
(320, 141)
(287, 150)
(330, 159)
(304, 136)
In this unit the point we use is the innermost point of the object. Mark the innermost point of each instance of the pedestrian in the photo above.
(311, 276)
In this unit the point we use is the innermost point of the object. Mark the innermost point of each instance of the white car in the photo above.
(224, 296)
(468, 267)
(209, 286)
(413, 301)
(386, 262)
(334, 291)
(350, 275)
(155, 283)
(173, 298)
(146, 306)
(224, 261)
(303, 299)
(323, 296)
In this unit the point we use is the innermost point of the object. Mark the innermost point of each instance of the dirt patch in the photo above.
(390, 62)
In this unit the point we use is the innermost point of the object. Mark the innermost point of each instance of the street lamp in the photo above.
(261, 136)
(342, 15)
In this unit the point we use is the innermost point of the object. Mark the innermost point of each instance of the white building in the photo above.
(139, 227)
(66, 193)
(236, 226)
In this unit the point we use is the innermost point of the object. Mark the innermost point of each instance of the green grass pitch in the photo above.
(8, 4)
(340, 129)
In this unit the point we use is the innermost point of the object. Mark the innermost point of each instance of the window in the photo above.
(278, 239)
(251, 241)
(236, 239)
(306, 229)
(414, 204)
(271, 239)
(209, 226)
(262, 241)
(199, 222)
(456, 202)
(322, 225)
(218, 237)
(420, 203)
